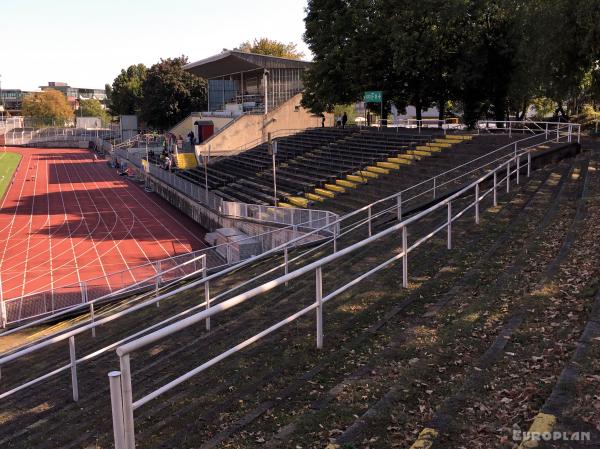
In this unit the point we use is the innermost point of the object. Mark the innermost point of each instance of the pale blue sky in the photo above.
(86, 42)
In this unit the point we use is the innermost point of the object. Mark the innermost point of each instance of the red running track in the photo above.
(68, 219)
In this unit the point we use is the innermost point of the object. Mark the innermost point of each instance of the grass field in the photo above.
(8, 164)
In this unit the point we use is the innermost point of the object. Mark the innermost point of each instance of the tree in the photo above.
(169, 93)
(266, 46)
(347, 40)
(125, 95)
(489, 57)
(93, 108)
(48, 108)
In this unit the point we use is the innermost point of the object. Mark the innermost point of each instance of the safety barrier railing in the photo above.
(321, 224)
(445, 124)
(8, 124)
(94, 322)
(353, 225)
(43, 135)
(109, 286)
(433, 186)
(548, 128)
(55, 134)
(123, 404)
(307, 218)
(196, 192)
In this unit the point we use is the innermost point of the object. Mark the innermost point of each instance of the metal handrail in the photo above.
(397, 196)
(205, 280)
(72, 333)
(90, 304)
(123, 405)
(368, 208)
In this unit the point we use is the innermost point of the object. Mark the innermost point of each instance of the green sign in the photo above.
(373, 96)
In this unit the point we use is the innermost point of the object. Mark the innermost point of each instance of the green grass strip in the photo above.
(8, 165)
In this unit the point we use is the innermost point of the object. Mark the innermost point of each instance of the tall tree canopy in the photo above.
(266, 46)
(169, 93)
(93, 108)
(125, 94)
(493, 57)
(48, 108)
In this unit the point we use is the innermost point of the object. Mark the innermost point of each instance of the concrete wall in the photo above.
(185, 126)
(60, 144)
(252, 129)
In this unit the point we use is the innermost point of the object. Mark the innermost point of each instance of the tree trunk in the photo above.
(441, 111)
(418, 110)
(524, 111)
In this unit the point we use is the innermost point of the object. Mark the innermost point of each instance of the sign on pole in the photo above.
(373, 96)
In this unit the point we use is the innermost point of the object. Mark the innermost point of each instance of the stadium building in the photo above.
(249, 96)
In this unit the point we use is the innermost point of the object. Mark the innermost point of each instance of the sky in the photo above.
(86, 43)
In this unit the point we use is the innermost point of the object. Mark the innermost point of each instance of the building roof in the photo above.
(232, 61)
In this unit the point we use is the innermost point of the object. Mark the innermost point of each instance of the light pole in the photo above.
(265, 79)
(206, 159)
(273, 149)
(1, 98)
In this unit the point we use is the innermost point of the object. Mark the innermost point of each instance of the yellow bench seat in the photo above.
(390, 165)
(379, 170)
(334, 188)
(367, 174)
(419, 153)
(356, 178)
(430, 148)
(314, 197)
(324, 192)
(400, 160)
(345, 183)
(298, 201)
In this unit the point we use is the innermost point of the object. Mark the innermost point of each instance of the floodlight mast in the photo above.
(206, 159)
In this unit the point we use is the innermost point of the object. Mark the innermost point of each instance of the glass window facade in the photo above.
(244, 92)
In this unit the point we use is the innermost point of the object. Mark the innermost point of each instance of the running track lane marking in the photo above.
(94, 244)
(151, 234)
(31, 215)
(57, 230)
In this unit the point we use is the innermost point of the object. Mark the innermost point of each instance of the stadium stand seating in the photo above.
(321, 164)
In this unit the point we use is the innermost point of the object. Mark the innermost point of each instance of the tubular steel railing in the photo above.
(548, 128)
(393, 204)
(122, 402)
(70, 296)
(518, 157)
(51, 134)
(91, 326)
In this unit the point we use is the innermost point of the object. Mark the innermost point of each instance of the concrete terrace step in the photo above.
(461, 403)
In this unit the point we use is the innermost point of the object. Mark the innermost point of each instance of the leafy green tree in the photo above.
(93, 108)
(125, 94)
(347, 40)
(48, 108)
(266, 46)
(169, 93)
(488, 57)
